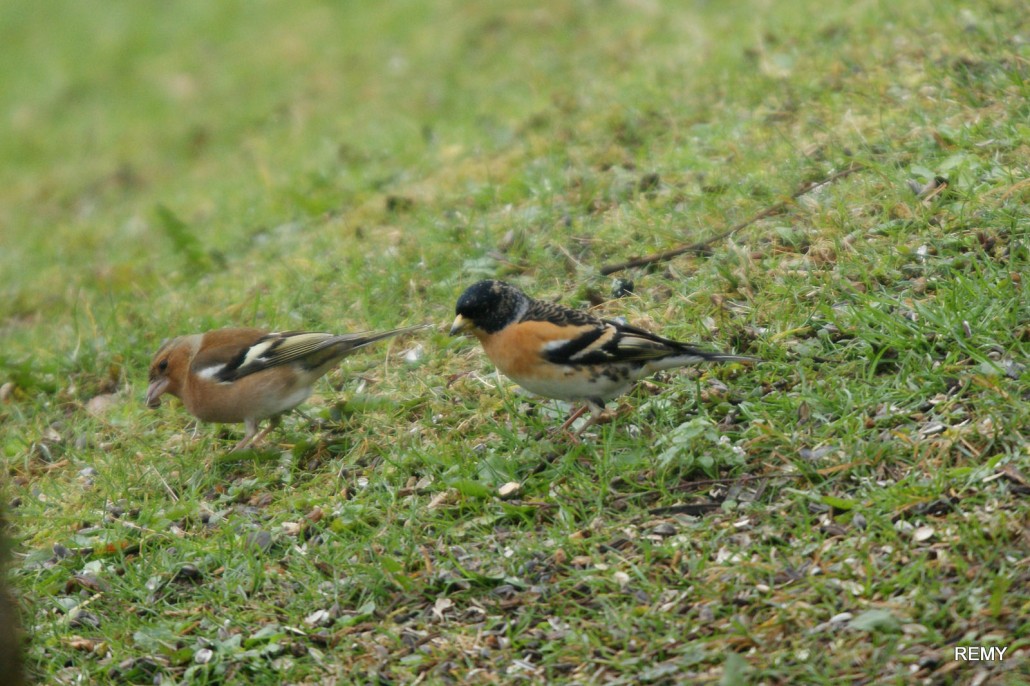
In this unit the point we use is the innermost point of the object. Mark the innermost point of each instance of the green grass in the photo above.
(846, 511)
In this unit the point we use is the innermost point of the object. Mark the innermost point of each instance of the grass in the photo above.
(850, 509)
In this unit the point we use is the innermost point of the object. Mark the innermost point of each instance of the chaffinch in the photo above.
(557, 352)
(247, 375)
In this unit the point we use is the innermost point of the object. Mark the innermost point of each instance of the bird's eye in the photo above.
(162, 366)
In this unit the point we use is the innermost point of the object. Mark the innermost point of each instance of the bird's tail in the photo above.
(687, 355)
(321, 352)
(727, 357)
(347, 342)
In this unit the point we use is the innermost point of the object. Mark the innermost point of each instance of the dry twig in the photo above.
(698, 246)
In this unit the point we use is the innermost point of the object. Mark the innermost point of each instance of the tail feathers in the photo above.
(335, 348)
(692, 356)
(726, 357)
(345, 343)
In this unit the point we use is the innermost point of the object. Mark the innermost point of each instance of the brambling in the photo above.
(557, 352)
(247, 375)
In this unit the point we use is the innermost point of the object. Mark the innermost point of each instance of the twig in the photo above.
(701, 245)
(171, 492)
(692, 509)
(695, 485)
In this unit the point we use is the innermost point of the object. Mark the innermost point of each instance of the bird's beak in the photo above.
(155, 390)
(460, 325)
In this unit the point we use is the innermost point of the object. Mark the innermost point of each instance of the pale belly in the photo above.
(582, 383)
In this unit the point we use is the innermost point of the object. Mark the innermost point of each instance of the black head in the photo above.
(489, 306)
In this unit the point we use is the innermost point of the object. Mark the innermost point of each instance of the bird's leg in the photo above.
(597, 413)
(272, 424)
(572, 418)
(564, 431)
(253, 435)
(250, 436)
(556, 431)
(265, 431)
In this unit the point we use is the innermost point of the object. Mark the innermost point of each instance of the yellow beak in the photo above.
(460, 325)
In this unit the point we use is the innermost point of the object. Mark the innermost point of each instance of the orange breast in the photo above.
(517, 350)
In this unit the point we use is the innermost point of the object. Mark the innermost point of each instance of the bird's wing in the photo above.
(612, 342)
(230, 362)
(309, 349)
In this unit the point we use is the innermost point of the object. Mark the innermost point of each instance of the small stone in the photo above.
(319, 618)
(923, 533)
(664, 529)
(509, 489)
(188, 572)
